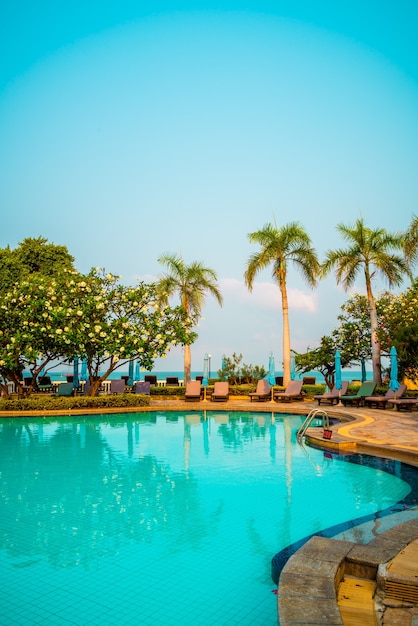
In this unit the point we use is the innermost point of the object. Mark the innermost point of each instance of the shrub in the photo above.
(50, 403)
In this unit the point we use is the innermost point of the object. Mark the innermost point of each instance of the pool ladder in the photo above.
(314, 414)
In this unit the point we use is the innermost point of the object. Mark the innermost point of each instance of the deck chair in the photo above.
(380, 402)
(65, 390)
(142, 386)
(408, 404)
(44, 384)
(262, 392)
(309, 380)
(220, 392)
(117, 386)
(193, 389)
(334, 395)
(366, 389)
(150, 378)
(293, 391)
(172, 381)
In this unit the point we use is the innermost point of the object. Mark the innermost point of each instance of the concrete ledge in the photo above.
(309, 581)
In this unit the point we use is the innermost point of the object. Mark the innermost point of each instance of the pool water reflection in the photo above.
(165, 518)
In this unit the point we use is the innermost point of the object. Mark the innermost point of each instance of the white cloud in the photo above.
(266, 295)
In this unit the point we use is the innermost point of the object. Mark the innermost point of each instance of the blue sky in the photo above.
(132, 129)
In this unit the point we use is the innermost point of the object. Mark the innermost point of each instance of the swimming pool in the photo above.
(165, 518)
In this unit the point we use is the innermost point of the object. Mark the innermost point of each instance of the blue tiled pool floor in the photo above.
(168, 521)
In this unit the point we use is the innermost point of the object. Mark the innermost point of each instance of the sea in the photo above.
(60, 375)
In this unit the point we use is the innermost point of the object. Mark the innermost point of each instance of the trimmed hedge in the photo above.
(51, 403)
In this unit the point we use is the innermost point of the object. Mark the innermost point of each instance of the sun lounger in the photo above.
(408, 404)
(365, 390)
(262, 392)
(220, 392)
(45, 384)
(65, 390)
(142, 386)
(309, 380)
(332, 396)
(193, 389)
(172, 381)
(379, 402)
(117, 386)
(293, 391)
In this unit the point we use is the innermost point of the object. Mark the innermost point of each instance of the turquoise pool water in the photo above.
(165, 519)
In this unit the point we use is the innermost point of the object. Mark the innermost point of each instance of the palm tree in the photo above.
(411, 242)
(370, 251)
(280, 246)
(191, 283)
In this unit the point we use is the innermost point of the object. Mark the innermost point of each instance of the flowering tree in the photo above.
(93, 316)
(398, 326)
(110, 323)
(27, 340)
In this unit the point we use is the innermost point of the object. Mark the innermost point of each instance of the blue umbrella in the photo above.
(131, 373)
(76, 380)
(292, 367)
(338, 379)
(393, 384)
(205, 380)
(137, 372)
(84, 373)
(272, 370)
(363, 370)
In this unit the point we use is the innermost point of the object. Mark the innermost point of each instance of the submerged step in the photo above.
(356, 601)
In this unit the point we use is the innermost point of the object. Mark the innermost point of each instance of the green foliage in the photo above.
(30, 257)
(280, 247)
(71, 315)
(398, 326)
(51, 403)
(353, 336)
(236, 372)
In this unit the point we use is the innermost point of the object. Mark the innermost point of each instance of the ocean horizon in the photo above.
(348, 375)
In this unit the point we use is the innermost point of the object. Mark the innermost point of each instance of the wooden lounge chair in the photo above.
(193, 389)
(263, 391)
(220, 392)
(309, 380)
(365, 390)
(117, 386)
(142, 386)
(406, 404)
(150, 378)
(293, 391)
(172, 381)
(333, 396)
(379, 402)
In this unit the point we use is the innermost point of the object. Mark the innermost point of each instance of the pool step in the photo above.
(356, 601)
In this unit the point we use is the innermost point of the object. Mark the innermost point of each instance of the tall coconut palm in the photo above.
(411, 242)
(371, 252)
(191, 283)
(281, 246)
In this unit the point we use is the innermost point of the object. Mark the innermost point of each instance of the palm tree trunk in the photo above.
(286, 332)
(377, 369)
(187, 364)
